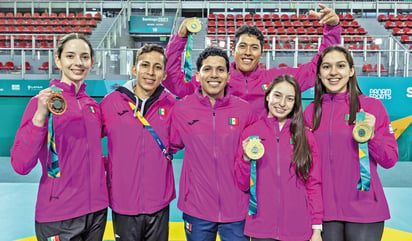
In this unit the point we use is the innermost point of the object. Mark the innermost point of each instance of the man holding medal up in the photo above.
(136, 121)
(208, 124)
(247, 80)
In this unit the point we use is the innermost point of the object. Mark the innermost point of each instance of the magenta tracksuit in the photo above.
(210, 136)
(338, 153)
(286, 206)
(81, 188)
(248, 86)
(141, 179)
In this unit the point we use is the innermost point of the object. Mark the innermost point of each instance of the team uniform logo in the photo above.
(234, 121)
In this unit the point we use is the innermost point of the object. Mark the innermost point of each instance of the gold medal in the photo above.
(255, 149)
(194, 25)
(56, 103)
(362, 132)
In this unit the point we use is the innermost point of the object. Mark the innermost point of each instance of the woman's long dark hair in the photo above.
(302, 156)
(320, 89)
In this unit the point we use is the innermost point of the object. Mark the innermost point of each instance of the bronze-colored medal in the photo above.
(56, 103)
(255, 149)
(194, 25)
(362, 132)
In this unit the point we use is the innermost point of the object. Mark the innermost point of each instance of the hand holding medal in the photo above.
(56, 102)
(253, 148)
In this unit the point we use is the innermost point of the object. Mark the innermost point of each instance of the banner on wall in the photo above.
(151, 24)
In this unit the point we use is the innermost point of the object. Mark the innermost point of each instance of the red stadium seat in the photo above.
(93, 23)
(287, 24)
(349, 17)
(211, 16)
(97, 16)
(62, 15)
(230, 17)
(8, 66)
(44, 15)
(375, 68)
(53, 15)
(284, 17)
(71, 15)
(268, 24)
(257, 17)
(79, 15)
(248, 17)
(367, 68)
(293, 17)
(266, 17)
(382, 18)
(275, 17)
(389, 24)
(44, 66)
(28, 67)
(239, 17)
(87, 30)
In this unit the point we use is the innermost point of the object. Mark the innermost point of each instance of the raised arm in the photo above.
(175, 81)
(306, 73)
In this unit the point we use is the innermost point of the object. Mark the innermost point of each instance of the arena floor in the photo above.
(18, 196)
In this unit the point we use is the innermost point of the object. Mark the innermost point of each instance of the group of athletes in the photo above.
(305, 184)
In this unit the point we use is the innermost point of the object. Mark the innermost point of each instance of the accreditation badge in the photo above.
(255, 149)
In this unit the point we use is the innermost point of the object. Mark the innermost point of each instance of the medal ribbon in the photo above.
(145, 123)
(53, 170)
(187, 67)
(365, 173)
(252, 199)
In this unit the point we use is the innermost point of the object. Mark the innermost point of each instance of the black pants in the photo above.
(346, 231)
(89, 227)
(143, 227)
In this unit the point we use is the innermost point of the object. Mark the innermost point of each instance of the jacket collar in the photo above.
(273, 122)
(339, 97)
(69, 89)
(204, 100)
(253, 74)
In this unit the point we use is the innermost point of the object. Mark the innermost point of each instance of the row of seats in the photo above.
(45, 29)
(10, 66)
(278, 24)
(369, 68)
(392, 17)
(398, 24)
(282, 38)
(270, 17)
(97, 16)
(57, 22)
(289, 31)
(23, 45)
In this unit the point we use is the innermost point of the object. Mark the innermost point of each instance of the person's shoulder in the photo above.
(369, 101)
(111, 96)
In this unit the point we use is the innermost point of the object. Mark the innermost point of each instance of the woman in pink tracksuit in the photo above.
(351, 213)
(72, 199)
(288, 182)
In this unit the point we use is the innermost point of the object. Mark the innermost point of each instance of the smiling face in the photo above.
(335, 72)
(150, 72)
(247, 53)
(213, 76)
(75, 61)
(281, 101)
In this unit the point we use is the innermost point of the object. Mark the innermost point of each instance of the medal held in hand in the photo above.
(255, 149)
(362, 132)
(56, 102)
(194, 25)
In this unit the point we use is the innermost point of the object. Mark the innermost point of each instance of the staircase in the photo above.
(99, 32)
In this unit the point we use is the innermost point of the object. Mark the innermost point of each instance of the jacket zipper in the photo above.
(87, 149)
(330, 153)
(278, 177)
(216, 163)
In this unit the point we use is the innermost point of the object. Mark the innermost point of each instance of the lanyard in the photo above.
(145, 123)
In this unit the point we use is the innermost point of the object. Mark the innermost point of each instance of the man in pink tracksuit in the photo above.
(208, 125)
(247, 80)
(140, 174)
